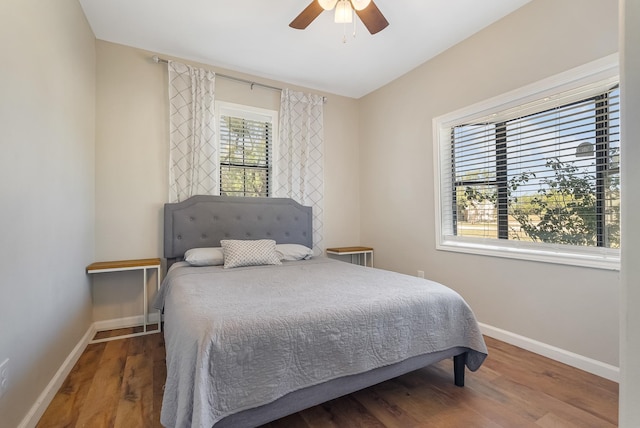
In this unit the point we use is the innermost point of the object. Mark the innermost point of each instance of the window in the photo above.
(535, 174)
(245, 137)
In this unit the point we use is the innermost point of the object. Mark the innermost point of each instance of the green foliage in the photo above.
(241, 181)
(562, 211)
(612, 212)
(565, 206)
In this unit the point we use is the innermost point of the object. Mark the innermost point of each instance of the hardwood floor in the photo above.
(119, 384)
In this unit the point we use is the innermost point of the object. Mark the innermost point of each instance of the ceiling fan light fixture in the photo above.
(344, 13)
(370, 15)
(360, 4)
(328, 4)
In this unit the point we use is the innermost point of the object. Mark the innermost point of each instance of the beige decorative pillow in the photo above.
(249, 253)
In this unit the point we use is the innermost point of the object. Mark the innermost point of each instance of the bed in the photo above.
(251, 344)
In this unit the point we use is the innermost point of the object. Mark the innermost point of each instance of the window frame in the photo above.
(225, 108)
(547, 89)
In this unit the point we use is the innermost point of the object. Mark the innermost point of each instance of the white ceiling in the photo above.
(253, 36)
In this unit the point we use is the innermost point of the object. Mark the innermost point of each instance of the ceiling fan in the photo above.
(367, 10)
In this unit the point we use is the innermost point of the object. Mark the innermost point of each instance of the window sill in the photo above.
(596, 258)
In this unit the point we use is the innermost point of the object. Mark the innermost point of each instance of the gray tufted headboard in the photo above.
(202, 221)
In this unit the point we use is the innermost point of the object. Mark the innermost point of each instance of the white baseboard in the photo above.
(45, 398)
(124, 322)
(581, 362)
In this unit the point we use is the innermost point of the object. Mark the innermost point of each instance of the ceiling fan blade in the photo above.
(307, 16)
(372, 18)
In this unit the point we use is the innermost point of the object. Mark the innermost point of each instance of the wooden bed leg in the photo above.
(458, 369)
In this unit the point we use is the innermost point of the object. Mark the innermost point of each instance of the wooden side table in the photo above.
(360, 252)
(125, 265)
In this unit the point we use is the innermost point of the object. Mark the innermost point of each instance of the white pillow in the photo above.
(293, 252)
(212, 256)
(249, 253)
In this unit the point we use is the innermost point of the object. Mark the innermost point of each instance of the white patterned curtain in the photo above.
(300, 162)
(192, 162)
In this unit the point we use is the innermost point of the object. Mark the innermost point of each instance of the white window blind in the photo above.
(246, 142)
(540, 177)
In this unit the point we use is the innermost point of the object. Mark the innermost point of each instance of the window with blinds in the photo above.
(245, 152)
(538, 177)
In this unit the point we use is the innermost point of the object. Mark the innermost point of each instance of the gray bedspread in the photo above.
(240, 338)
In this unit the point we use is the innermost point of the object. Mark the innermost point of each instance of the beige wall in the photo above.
(132, 165)
(630, 301)
(47, 102)
(575, 309)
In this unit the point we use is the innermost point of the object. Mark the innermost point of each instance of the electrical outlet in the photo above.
(420, 274)
(4, 377)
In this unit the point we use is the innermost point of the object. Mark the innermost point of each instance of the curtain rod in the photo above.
(158, 60)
